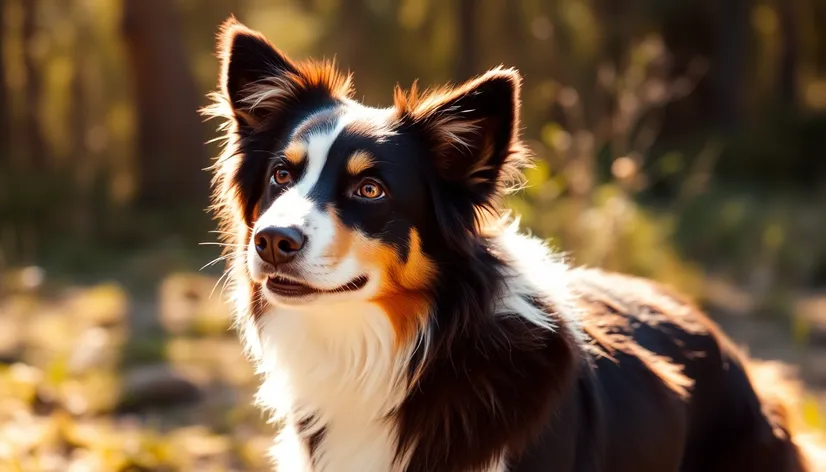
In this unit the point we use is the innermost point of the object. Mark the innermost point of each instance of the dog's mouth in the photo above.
(286, 287)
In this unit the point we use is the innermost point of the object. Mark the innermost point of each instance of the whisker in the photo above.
(224, 286)
(213, 262)
(226, 272)
(215, 243)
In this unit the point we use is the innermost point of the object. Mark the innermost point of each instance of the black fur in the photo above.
(648, 385)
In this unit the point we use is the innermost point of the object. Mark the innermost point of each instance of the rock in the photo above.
(51, 334)
(101, 305)
(188, 304)
(814, 366)
(810, 311)
(15, 312)
(95, 348)
(156, 386)
(94, 392)
(11, 338)
(211, 359)
(20, 280)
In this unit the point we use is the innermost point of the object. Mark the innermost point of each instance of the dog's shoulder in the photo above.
(628, 304)
(637, 321)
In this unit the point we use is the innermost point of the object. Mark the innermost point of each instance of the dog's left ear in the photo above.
(472, 130)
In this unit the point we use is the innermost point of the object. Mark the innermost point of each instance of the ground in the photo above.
(102, 378)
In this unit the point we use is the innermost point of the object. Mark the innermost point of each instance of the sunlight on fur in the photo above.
(412, 327)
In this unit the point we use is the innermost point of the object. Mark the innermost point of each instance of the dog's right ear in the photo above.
(249, 62)
(257, 79)
(247, 58)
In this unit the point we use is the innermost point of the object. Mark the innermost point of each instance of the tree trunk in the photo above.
(31, 122)
(613, 19)
(349, 40)
(84, 163)
(466, 56)
(732, 46)
(788, 53)
(513, 33)
(5, 109)
(170, 135)
(78, 115)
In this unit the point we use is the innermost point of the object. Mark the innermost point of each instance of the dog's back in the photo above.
(671, 392)
(397, 332)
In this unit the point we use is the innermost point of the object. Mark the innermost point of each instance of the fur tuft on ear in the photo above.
(247, 58)
(257, 79)
(472, 130)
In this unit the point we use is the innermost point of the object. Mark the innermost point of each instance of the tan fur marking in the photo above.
(402, 295)
(419, 270)
(295, 153)
(359, 162)
(407, 310)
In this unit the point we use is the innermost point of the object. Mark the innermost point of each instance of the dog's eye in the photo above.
(370, 190)
(281, 175)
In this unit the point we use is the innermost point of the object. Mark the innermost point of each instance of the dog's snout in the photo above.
(279, 245)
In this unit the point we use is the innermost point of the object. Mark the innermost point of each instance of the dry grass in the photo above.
(93, 380)
(81, 389)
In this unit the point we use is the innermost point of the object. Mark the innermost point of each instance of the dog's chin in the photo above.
(292, 291)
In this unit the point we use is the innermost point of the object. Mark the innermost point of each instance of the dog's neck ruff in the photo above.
(335, 375)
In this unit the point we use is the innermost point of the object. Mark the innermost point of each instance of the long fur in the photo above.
(472, 347)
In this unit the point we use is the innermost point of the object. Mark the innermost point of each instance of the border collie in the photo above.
(401, 323)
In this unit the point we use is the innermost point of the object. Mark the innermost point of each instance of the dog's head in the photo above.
(330, 201)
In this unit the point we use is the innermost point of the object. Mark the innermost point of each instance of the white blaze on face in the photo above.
(295, 208)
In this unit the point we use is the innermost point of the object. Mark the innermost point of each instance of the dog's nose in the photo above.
(277, 245)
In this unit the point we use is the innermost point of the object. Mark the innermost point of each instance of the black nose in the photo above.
(278, 245)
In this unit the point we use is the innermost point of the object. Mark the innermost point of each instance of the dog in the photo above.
(401, 321)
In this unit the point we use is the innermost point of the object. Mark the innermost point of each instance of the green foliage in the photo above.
(652, 159)
(768, 238)
(608, 230)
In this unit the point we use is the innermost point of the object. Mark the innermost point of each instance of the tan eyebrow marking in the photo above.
(295, 153)
(359, 162)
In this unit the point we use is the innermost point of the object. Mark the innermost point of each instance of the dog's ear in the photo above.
(257, 79)
(248, 62)
(472, 130)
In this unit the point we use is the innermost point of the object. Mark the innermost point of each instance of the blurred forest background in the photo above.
(683, 140)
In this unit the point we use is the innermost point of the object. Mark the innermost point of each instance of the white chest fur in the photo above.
(341, 368)
(339, 364)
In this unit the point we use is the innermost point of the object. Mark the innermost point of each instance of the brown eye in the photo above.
(281, 176)
(370, 189)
